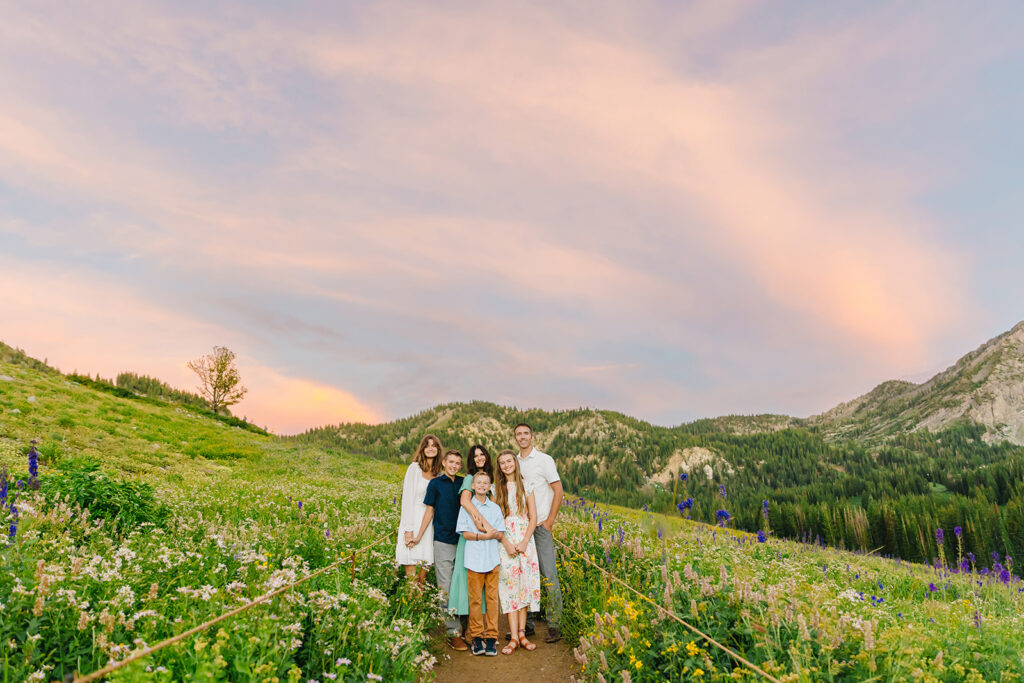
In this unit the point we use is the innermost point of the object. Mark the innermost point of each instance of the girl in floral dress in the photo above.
(519, 574)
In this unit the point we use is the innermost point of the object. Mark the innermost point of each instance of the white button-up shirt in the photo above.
(539, 473)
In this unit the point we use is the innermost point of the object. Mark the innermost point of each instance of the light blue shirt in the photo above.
(481, 556)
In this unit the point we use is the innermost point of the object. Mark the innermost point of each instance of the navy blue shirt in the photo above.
(443, 496)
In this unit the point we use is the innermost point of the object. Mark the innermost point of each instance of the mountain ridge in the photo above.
(985, 386)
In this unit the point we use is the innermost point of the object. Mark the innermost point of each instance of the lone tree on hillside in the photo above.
(220, 383)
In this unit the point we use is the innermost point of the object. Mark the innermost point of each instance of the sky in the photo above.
(671, 209)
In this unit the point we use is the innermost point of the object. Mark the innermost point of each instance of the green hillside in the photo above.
(150, 518)
(985, 386)
(886, 496)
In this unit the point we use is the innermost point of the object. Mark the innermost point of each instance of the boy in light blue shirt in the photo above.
(482, 562)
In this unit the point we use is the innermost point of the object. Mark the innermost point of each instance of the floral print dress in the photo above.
(519, 576)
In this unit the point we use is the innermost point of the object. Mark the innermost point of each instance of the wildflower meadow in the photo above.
(801, 612)
(127, 522)
(119, 533)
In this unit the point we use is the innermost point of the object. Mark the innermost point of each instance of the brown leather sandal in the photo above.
(510, 648)
(527, 645)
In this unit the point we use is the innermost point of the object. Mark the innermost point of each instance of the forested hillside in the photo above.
(130, 519)
(889, 497)
(985, 386)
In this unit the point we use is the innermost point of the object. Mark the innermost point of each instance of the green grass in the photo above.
(193, 517)
(801, 612)
(185, 518)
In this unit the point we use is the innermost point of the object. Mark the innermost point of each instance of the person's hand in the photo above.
(479, 521)
(408, 539)
(512, 550)
(548, 523)
(522, 546)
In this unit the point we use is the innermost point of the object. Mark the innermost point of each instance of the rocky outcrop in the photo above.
(985, 386)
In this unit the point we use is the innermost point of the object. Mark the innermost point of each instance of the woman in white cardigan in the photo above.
(425, 465)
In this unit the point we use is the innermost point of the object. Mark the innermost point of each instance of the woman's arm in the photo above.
(466, 501)
(407, 523)
(531, 511)
(428, 517)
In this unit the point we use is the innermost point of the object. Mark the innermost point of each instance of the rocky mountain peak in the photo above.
(985, 386)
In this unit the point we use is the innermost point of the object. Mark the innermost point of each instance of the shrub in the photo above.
(124, 503)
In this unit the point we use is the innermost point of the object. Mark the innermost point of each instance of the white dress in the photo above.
(414, 490)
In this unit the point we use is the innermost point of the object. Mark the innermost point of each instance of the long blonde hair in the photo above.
(421, 458)
(501, 486)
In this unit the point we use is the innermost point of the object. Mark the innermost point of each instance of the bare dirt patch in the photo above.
(549, 662)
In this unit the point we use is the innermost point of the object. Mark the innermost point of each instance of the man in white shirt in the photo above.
(541, 476)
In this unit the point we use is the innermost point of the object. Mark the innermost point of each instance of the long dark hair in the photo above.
(471, 467)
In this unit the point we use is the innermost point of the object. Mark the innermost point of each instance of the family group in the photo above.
(488, 536)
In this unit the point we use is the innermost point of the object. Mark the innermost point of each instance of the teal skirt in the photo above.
(458, 592)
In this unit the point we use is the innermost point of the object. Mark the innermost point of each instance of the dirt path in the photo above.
(552, 662)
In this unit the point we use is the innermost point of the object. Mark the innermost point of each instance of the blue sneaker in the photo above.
(492, 647)
(478, 646)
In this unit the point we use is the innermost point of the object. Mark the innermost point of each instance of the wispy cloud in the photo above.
(80, 322)
(634, 206)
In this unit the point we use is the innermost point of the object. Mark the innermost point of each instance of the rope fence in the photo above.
(146, 651)
(671, 615)
(262, 599)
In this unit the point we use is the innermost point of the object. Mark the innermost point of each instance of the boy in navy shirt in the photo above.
(442, 501)
(482, 563)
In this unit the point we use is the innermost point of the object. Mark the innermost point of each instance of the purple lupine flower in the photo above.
(721, 491)
(661, 532)
(764, 509)
(33, 466)
(20, 483)
(995, 556)
(970, 556)
(1004, 576)
(932, 588)
(723, 516)
(761, 537)
(683, 476)
(327, 533)
(957, 531)
(3, 487)
(12, 531)
(599, 524)
(939, 536)
(300, 504)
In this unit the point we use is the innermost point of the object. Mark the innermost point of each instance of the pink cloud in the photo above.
(616, 112)
(439, 100)
(93, 324)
